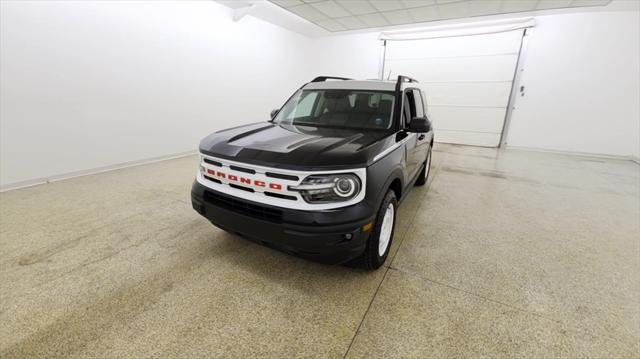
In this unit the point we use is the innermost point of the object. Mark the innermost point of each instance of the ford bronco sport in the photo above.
(324, 177)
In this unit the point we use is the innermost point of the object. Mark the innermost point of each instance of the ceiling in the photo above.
(343, 15)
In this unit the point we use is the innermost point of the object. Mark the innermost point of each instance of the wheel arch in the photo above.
(396, 186)
(394, 183)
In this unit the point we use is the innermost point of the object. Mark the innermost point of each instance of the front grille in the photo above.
(251, 180)
(243, 207)
(268, 186)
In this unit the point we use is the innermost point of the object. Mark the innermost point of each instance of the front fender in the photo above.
(382, 173)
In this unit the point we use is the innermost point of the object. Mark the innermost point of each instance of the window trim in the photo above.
(422, 109)
(401, 124)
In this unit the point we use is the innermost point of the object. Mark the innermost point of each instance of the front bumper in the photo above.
(329, 236)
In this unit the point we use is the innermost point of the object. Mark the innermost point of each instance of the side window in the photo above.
(409, 107)
(419, 103)
(305, 105)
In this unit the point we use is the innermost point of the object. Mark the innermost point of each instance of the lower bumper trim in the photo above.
(325, 243)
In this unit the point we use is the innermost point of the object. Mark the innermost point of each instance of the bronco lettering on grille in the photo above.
(245, 180)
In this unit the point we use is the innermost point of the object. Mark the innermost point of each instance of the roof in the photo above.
(379, 85)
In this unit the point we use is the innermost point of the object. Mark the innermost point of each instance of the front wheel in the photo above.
(424, 174)
(380, 240)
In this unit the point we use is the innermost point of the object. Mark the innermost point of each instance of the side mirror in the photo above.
(420, 125)
(274, 113)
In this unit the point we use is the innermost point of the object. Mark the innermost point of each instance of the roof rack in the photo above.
(403, 79)
(325, 78)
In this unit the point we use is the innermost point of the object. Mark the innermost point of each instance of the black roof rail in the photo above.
(403, 79)
(325, 78)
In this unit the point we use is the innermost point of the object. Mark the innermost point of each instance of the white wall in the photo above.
(582, 80)
(582, 85)
(91, 84)
(356, 56)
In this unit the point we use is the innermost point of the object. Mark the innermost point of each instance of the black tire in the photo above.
(423, 177)
(371, 259)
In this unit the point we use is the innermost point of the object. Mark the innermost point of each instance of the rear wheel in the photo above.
(424, 174)
(382, 234)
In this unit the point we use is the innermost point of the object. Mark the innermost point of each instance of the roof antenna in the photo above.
(389, 77)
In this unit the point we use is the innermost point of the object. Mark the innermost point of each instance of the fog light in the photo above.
(348, 236)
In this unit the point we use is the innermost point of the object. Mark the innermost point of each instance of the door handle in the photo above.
(421, 137)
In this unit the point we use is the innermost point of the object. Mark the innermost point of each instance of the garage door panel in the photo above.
(473, 119)
(488, 94)
(467, 81)
(477, 45)
(468, 138)
(497, 68)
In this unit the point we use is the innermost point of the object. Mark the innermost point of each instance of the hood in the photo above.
(286, 146)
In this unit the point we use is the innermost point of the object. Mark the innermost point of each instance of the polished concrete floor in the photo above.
(504, 254)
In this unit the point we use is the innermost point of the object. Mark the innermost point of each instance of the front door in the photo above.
(412, 143)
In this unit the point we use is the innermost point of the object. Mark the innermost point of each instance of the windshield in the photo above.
(357, 109)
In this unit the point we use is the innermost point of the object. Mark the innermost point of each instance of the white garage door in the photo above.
(467, 81)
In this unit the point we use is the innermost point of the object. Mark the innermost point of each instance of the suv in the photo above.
(324, 177)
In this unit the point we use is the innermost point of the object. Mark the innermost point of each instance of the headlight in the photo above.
(329, 188)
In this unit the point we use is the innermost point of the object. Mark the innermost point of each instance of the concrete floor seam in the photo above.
(428, 185)
(355, 335)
